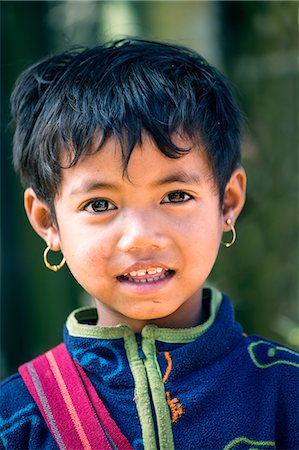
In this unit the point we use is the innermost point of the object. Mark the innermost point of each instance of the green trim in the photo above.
(77, 329)
(185, 335)
(245, 440)
(272, 353)
(142, 397)
(158, 395)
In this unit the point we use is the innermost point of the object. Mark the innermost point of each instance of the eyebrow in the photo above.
(90, 186)
(178, 177)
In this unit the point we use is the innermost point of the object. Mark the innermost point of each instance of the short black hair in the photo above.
(121, 89)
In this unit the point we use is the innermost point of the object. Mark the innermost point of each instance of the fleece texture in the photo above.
(206, 387)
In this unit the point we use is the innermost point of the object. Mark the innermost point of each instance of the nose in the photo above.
(142, 230)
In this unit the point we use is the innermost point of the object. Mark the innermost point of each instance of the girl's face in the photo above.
(143, 243)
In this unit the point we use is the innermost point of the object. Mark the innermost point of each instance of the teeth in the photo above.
(147, 280)
(133, 273)
(143, 272)
(154, 270)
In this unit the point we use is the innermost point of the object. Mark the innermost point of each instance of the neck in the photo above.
(189, 314)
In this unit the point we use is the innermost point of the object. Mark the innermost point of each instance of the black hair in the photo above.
(121, 89)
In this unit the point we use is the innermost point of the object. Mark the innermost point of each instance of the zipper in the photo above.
(140, 349)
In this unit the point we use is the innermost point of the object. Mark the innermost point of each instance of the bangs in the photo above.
(124, 101)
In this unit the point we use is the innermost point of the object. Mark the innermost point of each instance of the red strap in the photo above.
(69, 403)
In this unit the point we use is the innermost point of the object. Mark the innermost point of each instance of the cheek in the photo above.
(90, 268)
(205, 229)
(201, 240)
(87, 256)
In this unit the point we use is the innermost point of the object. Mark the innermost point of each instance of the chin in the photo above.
(154, 314)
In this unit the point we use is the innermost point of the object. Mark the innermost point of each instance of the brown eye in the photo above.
(99, 205)
(177, 197)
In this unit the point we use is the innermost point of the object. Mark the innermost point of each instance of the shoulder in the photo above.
(265, 354)
(21, 424)
(273, 362)
(276, 370)
(14, 396)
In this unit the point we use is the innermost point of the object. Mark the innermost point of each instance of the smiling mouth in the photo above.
(151, 275)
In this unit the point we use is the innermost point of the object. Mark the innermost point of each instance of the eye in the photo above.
(99, 205)
(177, 197)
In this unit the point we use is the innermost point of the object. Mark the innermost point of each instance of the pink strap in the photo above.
(69, 403)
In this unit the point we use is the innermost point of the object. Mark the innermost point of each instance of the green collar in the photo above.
(76, 328)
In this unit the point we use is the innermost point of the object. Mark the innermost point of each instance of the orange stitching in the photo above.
(176, 408)
(174, 404)
(169, 366)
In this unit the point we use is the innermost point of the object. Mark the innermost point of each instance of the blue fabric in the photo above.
(237, 392)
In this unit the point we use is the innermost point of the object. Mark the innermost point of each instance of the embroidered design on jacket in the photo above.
(265, 354)
(240, 441)
(176, 407)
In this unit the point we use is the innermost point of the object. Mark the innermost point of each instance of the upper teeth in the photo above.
(143, 272)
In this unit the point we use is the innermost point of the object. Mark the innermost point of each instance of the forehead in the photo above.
(147, 166)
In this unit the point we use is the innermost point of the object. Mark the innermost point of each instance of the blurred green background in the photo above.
(255, 44)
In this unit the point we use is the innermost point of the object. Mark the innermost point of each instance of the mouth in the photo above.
(149, 275)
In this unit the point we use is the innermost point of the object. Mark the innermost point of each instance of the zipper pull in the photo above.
(140, 351)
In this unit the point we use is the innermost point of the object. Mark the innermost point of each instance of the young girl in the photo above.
(130, 158)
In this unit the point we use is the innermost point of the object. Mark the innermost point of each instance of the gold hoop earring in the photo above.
(53, 267)
(234, 234)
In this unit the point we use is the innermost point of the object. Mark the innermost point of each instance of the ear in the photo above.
(41, 219)
(234, 196)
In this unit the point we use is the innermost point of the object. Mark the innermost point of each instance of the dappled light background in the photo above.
(255, 44)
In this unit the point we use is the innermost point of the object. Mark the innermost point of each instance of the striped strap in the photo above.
(69, 403)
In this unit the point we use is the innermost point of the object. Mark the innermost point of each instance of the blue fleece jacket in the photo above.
(206, 387)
